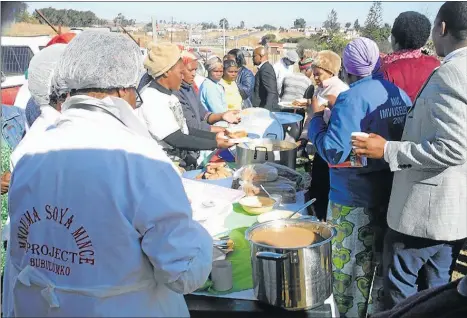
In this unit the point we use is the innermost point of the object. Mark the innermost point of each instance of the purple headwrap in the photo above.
(361, 57)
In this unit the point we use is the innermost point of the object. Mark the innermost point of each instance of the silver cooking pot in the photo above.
(292, 278)
(263, 150)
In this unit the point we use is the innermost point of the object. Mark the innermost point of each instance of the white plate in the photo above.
(289, 105)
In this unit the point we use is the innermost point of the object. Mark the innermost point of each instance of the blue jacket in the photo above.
(13, 125)
(371, 105)
(245, 82)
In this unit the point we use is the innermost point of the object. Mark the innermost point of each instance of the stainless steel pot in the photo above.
(292, 278)
(263, 150)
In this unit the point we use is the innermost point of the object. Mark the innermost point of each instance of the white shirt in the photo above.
(281, 71)
(162, 113)
(110, 231)
(453, 53)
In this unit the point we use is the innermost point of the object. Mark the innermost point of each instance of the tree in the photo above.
(299, 23)
(270, 37)
(224, 23)
(70, 18)
(347, 25)
(242, 25)
(356, 25)
(374, 21)
(386, 31)
(331, 25)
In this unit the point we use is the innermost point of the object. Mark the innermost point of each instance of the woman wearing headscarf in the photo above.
(408, 67)
(162, 111)
(211, 92)
(359, 194)
(195, 114)
(232, 94)
(326, 66)
(245, 78)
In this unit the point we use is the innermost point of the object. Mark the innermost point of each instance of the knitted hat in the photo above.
(161, 58)
(305, 64)
(328, 61)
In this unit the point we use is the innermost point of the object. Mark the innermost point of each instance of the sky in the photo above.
(253, 13)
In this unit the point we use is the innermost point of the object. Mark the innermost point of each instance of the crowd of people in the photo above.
(96, 209)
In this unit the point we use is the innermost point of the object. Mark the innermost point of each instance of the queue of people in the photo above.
(114, 132)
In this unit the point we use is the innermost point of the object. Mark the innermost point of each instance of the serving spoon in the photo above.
(302, 208)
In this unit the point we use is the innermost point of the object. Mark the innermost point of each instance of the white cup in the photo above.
(358, 161)
(221, 275)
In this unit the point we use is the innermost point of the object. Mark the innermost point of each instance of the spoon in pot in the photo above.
(302, 208)
(266, 192)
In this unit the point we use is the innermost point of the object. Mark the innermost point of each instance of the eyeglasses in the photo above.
(139, 100)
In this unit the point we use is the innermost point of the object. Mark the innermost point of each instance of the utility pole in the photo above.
(154, 30)
(223, 31)
(172, 30)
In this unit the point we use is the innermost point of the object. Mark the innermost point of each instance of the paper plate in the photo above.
(289, 105)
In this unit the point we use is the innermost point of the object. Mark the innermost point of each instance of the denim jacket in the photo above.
(13, 125)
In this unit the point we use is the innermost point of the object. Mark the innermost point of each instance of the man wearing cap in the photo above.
(162, 111)
(109, 232)
(284, 67)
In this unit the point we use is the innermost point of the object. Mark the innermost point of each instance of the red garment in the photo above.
(63, 38)
(195, 88)
(409, 70)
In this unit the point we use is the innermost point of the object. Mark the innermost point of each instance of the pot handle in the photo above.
(271, 256)
(275, 135)
(255, 155)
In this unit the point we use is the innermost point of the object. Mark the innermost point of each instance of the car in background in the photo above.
(17, 52)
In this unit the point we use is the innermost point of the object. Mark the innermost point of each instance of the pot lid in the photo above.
(288, 118)
(260, 123)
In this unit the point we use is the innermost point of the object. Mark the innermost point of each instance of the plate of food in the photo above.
(215, 171)
(297, 103)
(257, 204)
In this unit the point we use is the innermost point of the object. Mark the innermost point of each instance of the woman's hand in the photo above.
(6, 182)
(222, 141)
(217, 129)
(331, 101)
(315, 106)
(231, 116)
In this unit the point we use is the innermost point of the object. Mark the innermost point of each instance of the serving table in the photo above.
(219, 222)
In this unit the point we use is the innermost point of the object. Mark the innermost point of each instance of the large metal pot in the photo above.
(263, 150)
(292, 278)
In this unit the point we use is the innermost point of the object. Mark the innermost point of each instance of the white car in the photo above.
(17, 52)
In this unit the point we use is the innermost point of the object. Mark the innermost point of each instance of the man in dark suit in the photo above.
(265, 93)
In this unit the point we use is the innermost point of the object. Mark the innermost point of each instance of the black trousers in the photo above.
(319, 187)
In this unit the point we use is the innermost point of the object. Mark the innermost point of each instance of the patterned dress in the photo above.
(357, 258)
(6, 153)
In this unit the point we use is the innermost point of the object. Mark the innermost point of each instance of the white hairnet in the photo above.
(40, 72)
(103, 60)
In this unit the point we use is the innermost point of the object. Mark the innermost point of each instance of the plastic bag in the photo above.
(257, 173)
(302, 181)
(282, 186)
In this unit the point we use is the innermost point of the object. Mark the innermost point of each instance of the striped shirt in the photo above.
(294, 86)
